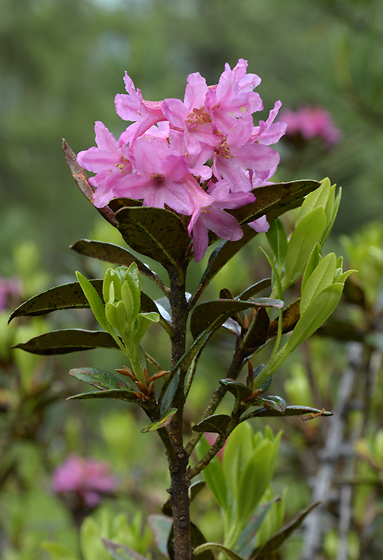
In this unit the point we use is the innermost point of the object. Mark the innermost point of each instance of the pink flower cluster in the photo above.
(311, 122)
(87, 477)
(198, 157)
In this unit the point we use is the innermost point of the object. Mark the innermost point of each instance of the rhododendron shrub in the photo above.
(182, 176)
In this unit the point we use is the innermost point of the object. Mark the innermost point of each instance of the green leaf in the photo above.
(170, 391)
(238, 452)
(294, 410)
(272, 403)
(314, 260)
(99, 378)
(315, 315)
(213, 313)
(95, 301)
(229, 554)
(160, 526)
(272, 200)
(290, 318)
(162, 423)
(330, 222)
(266, 551)
(213, 474)
(321, 278)
(111, 253)
(320, 198)
(245, 543)
(305, 236)
(254, 480)
(239, 390)
(66, 296)
(255, 289)
(277, 238)
(154, 232)
(67, 340)
(121, 394)
(216, 423)
(121, 552)
(257, 333)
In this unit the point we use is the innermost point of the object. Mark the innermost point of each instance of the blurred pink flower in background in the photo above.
(311, 122)
(10, 292)
(86, 477)
(211, 438)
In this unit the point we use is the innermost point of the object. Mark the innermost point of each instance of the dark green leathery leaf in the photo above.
(66, 296)
(154, 232)
(120, 394)
(216, 423)
(206, 314)
(294, 410)
(67, 340)
(109, 252)
(239, 390)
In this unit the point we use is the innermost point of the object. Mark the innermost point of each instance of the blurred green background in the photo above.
(62, 62)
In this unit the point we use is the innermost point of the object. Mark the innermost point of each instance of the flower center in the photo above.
(158, 178)
(122, 165)
(224, 149)
(198, 116)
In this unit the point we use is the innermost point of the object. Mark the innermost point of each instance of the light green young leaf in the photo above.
(321, 277)
(134, 283)
(254, 481)
(115, 314)
(238, 452)
(143, 322)
(313, 262)
(277, 238)
(315, 315)
(320, 198)
(305, 236)
(95, 302)
(213, 475)
(331, 220)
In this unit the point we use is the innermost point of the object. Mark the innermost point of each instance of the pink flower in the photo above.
(269, 132)
(86, 477)
(261, 225)
(160, 176)
(233, 97)
(210, 215)
(239, 152)
(110, 161)
(132, 107)
(211, 439)
(311, 122)
(190, 116)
